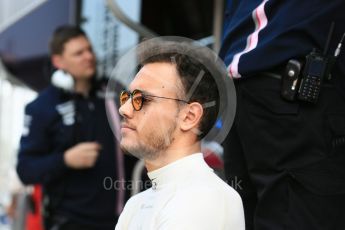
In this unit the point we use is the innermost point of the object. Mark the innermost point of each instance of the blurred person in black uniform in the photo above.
(67, 144)
(286, 155)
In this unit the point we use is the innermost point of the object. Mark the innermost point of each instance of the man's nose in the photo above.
(126, 110)
(89, 55)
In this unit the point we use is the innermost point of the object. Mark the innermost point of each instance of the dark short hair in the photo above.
(190, 63)
(62, 35)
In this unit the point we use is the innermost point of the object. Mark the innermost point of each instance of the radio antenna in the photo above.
(330, 33)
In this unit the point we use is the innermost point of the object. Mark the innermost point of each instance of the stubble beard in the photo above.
(153, 145)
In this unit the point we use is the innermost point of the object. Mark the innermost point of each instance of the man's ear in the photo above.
(57, 61)
(191, 117)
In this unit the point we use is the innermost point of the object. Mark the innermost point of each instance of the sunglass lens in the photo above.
(137, 100)
(124, 96)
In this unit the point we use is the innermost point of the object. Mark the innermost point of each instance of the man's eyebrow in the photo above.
(141, 90)
(145, 92)
(77, 52)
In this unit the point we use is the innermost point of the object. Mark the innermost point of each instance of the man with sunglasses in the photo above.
(164, 118)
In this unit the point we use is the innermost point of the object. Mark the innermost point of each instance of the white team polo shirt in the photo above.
(185, 195)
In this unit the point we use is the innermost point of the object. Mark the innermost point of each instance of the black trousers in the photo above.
(287, 159)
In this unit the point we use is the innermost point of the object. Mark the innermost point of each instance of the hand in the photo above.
(82, 155)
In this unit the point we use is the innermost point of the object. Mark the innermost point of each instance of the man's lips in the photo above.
(126, 126)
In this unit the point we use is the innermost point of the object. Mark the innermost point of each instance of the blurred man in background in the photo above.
(67, 144)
